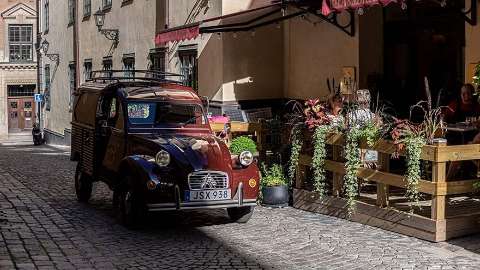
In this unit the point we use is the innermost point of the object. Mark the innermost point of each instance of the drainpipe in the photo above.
(75, 59)
(76, 48)
(39, 64)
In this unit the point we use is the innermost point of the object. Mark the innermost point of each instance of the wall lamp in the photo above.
(54, 57)
(110, 34)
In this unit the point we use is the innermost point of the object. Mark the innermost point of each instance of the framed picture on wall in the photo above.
(348, 80)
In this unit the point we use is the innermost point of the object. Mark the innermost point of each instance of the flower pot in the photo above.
(275, 196)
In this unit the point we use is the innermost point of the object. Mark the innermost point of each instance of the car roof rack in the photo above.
(152, 76)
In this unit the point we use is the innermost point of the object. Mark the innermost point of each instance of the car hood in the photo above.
(195, 152)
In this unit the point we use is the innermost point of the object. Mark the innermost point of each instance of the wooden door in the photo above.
(21, 113)
(28, 113)
(13, 114)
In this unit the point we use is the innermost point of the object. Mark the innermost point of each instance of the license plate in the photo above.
(208, 195)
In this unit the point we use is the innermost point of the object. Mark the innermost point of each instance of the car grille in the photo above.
(207, 180)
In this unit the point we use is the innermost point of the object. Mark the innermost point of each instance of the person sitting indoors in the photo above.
(464, 106)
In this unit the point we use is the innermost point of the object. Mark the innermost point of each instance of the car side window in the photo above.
(112, 113)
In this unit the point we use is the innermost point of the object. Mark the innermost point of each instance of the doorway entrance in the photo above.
(21, 107)
(426, 40)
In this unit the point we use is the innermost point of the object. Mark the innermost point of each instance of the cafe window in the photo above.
(20, 38)
(72, 82)
(87, 70)
(87, 7)
(129, 65)
(71, 12)
(107, 66)
(46, 8)
(189, 67)
(47, 87)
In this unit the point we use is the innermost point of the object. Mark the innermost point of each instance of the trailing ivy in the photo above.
(318, 159)
(352, 164)
(413, 151)
(297, 144)
(371, 134)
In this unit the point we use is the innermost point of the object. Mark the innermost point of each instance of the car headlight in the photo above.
(246, 158)
(162, 158)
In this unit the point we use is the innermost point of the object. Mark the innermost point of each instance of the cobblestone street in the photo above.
(44, 227)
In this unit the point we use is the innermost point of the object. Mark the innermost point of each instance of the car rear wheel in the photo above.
(240, 214)
(83, 185)
(130, 209)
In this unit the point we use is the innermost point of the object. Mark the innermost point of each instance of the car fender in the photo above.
(140, 169)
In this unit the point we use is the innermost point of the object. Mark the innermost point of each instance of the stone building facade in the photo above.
(387, 51)
(18, 65)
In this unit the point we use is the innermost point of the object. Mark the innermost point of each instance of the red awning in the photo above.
(329, 6)
(183, 33)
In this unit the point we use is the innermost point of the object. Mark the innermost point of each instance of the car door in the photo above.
(115, 135)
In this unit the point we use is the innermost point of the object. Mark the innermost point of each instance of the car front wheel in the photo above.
(130, 208)
(83, 185)
(240, 214)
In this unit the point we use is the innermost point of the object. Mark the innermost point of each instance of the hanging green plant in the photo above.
(297, 143)
(413, 150)
(411, 137)
(318, 159)
(352, 164)
(476, 76)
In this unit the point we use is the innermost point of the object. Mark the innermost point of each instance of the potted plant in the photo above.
(241, 144)
(274, 186)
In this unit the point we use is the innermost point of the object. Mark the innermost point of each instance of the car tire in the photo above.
(131, 209)
(240, 214)
(83, 185)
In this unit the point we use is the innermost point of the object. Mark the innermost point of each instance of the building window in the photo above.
(20, 39)
(73, 81)
(129, 65)
(20, 90)
(71, 12)
(46, 91)
(107, 66)
(106, 4)
(46, 8)
(189, 67)
(157, 60)
(87, 7)
(87, 70)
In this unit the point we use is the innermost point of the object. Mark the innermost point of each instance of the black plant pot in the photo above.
(275, 196)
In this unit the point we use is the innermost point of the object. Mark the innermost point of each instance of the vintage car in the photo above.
(148, 138)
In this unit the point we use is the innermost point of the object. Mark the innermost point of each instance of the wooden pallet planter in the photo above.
(444, 220)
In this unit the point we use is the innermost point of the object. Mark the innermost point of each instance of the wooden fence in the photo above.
(445, 220)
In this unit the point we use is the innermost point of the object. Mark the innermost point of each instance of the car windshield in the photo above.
(165, 113)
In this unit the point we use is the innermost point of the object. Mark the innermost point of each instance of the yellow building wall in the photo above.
(472, 47)
(314, 53)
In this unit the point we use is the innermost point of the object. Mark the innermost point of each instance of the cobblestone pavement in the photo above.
(43, 227)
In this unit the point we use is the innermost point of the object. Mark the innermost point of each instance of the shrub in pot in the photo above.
(274, 186)
(243, 149)
(241, 144)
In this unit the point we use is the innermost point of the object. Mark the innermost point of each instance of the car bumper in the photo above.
(237, 201)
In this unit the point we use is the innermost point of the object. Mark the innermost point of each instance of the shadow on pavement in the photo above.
(174, 239)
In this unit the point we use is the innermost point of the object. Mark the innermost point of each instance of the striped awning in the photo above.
(330, 6)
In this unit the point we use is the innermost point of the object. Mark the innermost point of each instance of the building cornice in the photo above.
(23, 66)
(8, 13)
